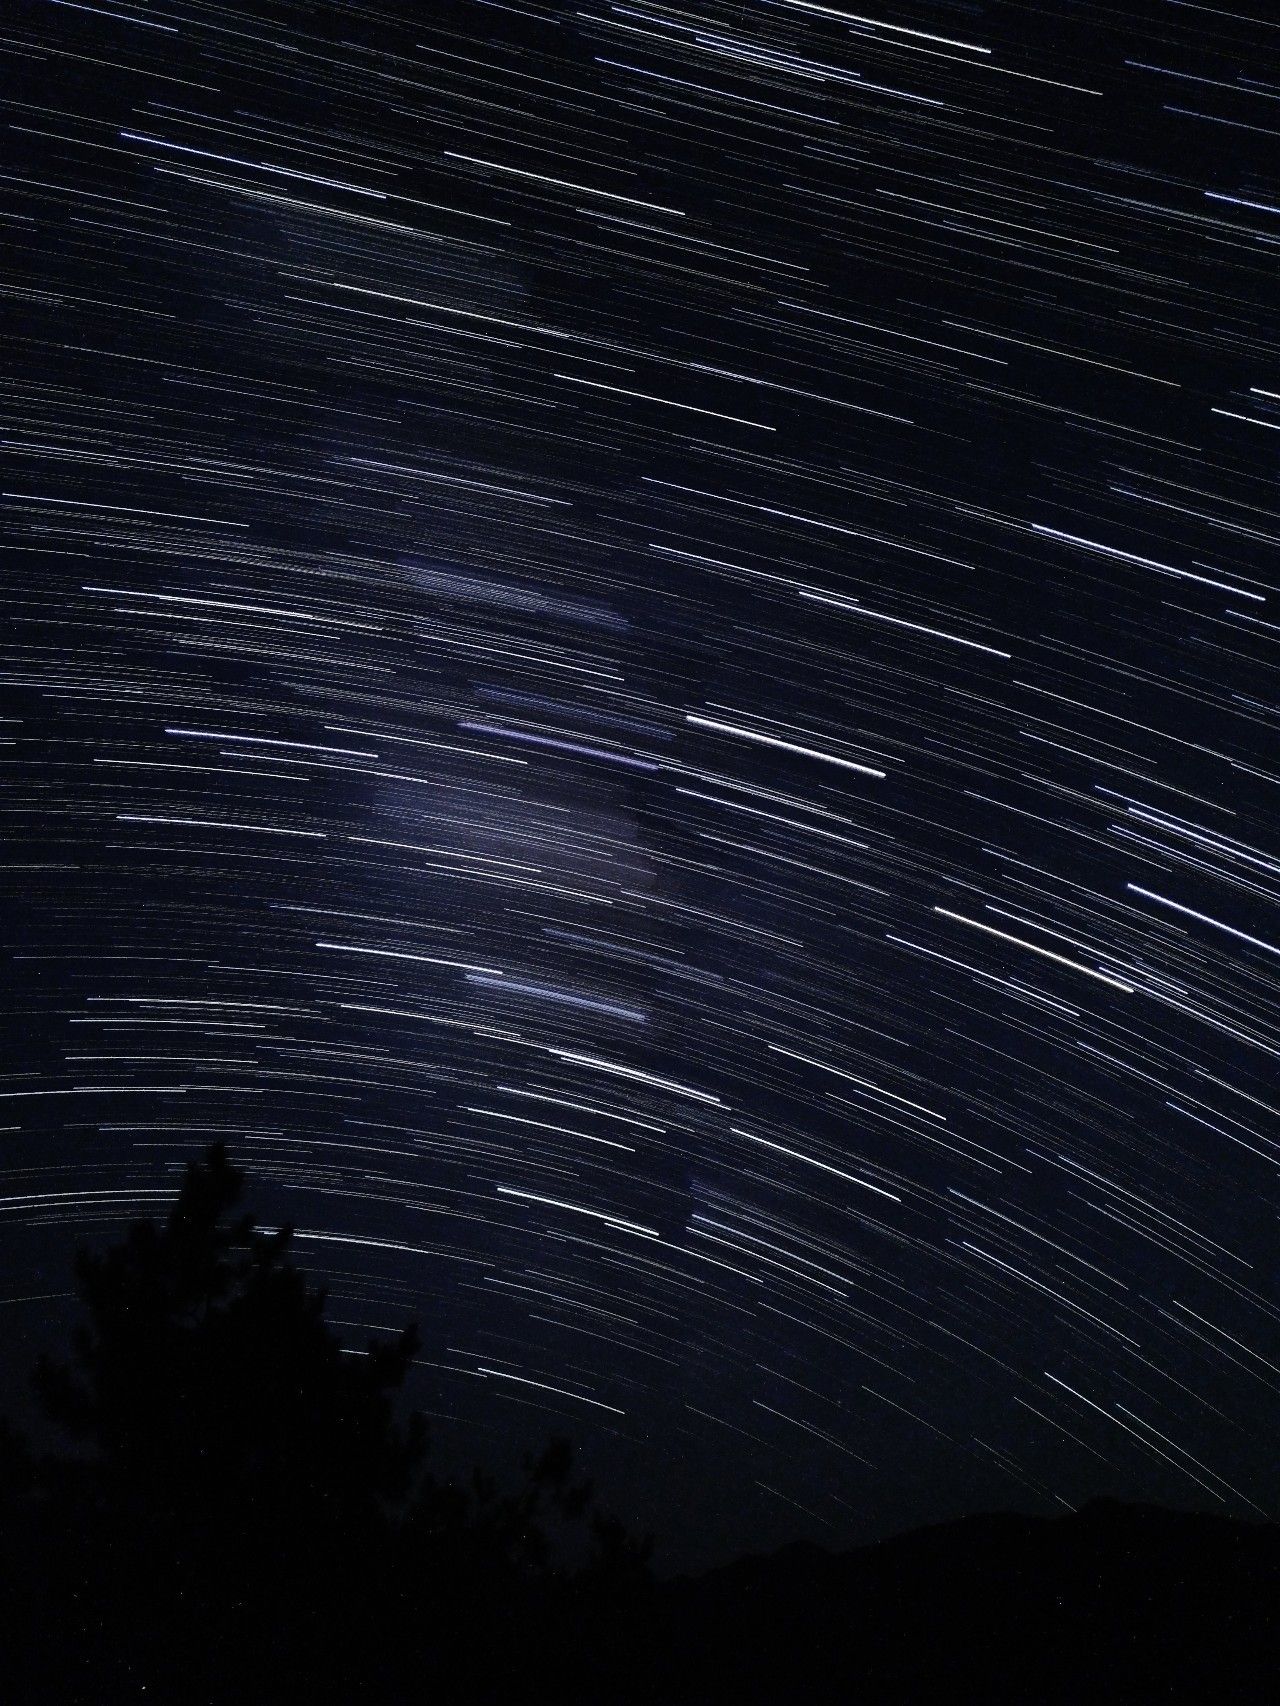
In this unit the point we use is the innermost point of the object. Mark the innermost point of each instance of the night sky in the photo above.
(637, 654)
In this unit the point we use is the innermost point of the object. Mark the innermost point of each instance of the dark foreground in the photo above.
(1117, 1603)
(242, 1518)
(1114, 1604)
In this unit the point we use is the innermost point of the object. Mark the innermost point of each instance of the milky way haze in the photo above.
(638, 656)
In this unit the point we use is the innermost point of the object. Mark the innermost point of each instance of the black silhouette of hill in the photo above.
(1113, 1603)
(243, 1518)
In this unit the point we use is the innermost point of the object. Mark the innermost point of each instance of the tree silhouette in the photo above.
(243, 1503)
(207, 1374)
(244, 1519)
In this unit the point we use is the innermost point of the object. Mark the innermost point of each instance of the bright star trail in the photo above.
(639, 656)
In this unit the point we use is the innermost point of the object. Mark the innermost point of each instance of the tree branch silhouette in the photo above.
(244, 1498)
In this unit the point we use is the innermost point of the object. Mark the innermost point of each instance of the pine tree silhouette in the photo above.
(244, 1517)
(207, 1373)
(234, 1500)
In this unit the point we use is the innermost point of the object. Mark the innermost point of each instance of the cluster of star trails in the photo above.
(639, 657)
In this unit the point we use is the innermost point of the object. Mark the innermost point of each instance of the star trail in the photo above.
(638, 655)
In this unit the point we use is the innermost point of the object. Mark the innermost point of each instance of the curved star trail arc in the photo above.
(639, 657)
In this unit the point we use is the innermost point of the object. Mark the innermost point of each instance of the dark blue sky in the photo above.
(639, 657)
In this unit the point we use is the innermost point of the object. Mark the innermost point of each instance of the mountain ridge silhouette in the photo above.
(1116, 1601)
